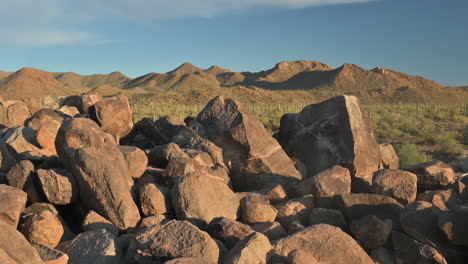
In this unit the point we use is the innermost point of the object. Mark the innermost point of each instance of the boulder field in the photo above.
(84, 183)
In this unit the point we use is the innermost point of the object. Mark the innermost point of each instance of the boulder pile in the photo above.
(83, 183)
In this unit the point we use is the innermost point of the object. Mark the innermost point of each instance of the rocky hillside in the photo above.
(290, 79)
(82, 183)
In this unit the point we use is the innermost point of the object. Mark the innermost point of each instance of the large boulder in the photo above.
(98, 246)
(253, 156)
(328, 216)
(328, 244)
(15, 248)
(390, 159)
(113, 115)
(46, 135)
(17, 114)
(200, 197)
(93, 222)
(432, 175)
(13, 202)
(176, 239)
(398, 184)
(253, 249)
(104, 182)
(333, 132)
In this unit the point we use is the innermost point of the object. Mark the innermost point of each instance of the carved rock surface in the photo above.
(432, 175)
(98, 246)
(59, 186)
(333, 132)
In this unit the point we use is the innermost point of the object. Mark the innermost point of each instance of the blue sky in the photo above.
(420, 37)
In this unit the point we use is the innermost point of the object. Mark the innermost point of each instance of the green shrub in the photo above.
(410, 154)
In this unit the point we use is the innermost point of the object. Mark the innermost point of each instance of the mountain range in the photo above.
(299, 79)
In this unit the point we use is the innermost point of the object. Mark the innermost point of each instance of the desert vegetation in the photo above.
(419, 132)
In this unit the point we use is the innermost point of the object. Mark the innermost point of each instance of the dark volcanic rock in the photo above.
(253, 156)
(104, 181)
(334, 132)
(408, 250)
(371, 231)
(50, 255)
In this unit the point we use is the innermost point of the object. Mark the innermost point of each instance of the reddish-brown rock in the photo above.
(301, 257)
(98, 246)
(50, 255)
(42, 117)
(93, 222)
(398, 184)
(17, 114)
(176, 239)
(58, 185)
(371, 231)
(333, 132)
(432, 175)
(255, 159)
(12, 202)
(104, 181)
(46, 135)
(42, 228)
(201, 197)
(328, 216)
(443, 199)
(228, 231)
(273, 230)
(22, 176)
(328, 244)
(136, 160)
(390, 159)
(155, 200)
(295, 209)
(256, 208)
(113, 115)
(15, 248)
(253, 249)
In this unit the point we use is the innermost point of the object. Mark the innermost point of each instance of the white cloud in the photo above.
(51, 22)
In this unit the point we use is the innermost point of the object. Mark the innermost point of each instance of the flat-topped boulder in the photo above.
(334, 132)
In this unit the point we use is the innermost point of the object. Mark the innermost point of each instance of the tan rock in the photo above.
(253, 249)
(228, 231)
(371, 231)
(155, 200)
(59, 186)
(136, 160)
(328, 244)
(98, 246)
(398, 184)
(42, 228)
(93, 222)
(432, 175)
(295, 209)
(273, 230)
(390, 159)
(15, 248)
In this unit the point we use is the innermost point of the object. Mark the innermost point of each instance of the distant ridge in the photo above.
(188, 79)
